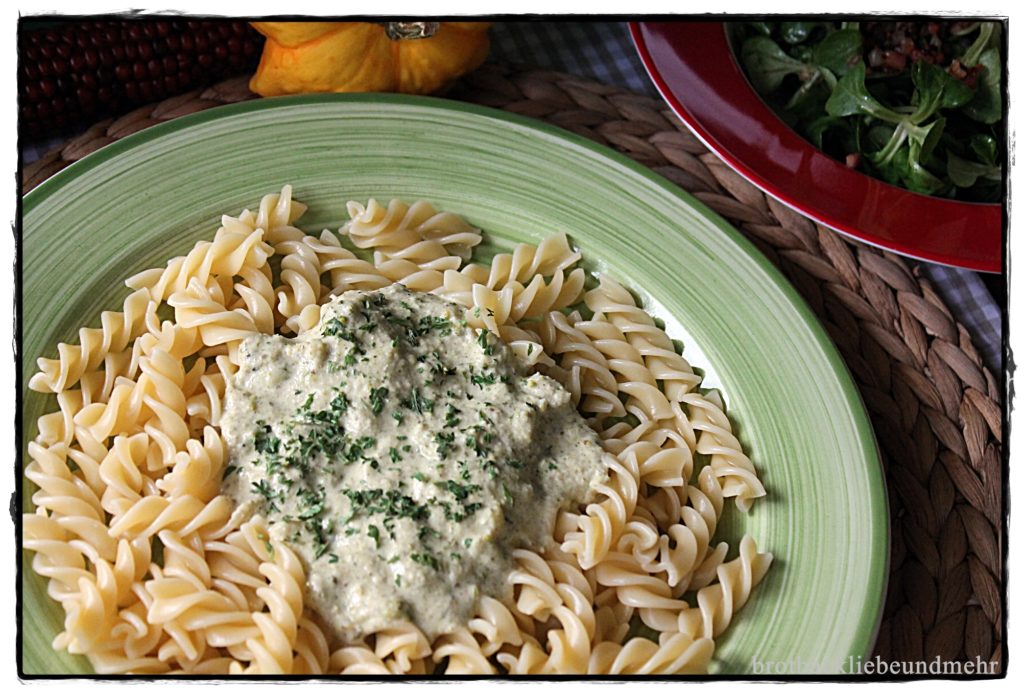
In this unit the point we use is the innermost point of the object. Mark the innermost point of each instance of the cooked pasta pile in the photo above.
(156, 573)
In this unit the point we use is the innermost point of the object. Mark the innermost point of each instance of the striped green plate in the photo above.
(138, 202)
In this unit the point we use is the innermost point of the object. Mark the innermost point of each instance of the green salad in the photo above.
(916, 104)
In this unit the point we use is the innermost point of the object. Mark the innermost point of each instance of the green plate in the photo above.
(142, 200)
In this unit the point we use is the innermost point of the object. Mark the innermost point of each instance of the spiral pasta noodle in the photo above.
(157, 573)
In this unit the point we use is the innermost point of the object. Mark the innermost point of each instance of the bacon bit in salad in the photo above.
(894, 62)
(891, 46)
(973, 74)
(853, 160)
(968, 76)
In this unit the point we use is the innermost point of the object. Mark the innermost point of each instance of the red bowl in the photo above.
(696, 71)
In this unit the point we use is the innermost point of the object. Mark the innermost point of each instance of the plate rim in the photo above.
(706, 133)
(865, 632)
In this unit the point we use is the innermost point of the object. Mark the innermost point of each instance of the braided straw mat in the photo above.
(936, 409)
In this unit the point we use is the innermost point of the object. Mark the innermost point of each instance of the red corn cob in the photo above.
(80, 71)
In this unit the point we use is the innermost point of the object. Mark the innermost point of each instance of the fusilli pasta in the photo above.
(157, 573)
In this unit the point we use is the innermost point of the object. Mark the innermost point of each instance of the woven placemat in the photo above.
(936, 409)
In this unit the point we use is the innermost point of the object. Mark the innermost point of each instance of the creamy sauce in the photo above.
(403, 455)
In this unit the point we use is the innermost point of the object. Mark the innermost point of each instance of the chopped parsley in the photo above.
(312, 504)
(418, 403)
(483, 378)
(426, 531)
(485, 342)
(265, 442)
(444, 443)
(460, 491)
(426, 559)
(451, 416)
(378, 396)
(338, 327)
(389, 503)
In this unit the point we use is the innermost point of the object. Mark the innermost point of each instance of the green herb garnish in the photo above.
(378, 396)
(426, 559)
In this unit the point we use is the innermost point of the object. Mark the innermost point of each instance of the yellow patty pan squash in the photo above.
(408, 57)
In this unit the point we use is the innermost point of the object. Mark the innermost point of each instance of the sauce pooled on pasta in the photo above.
(403, 455)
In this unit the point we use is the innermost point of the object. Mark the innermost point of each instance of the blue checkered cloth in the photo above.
(604, 52)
